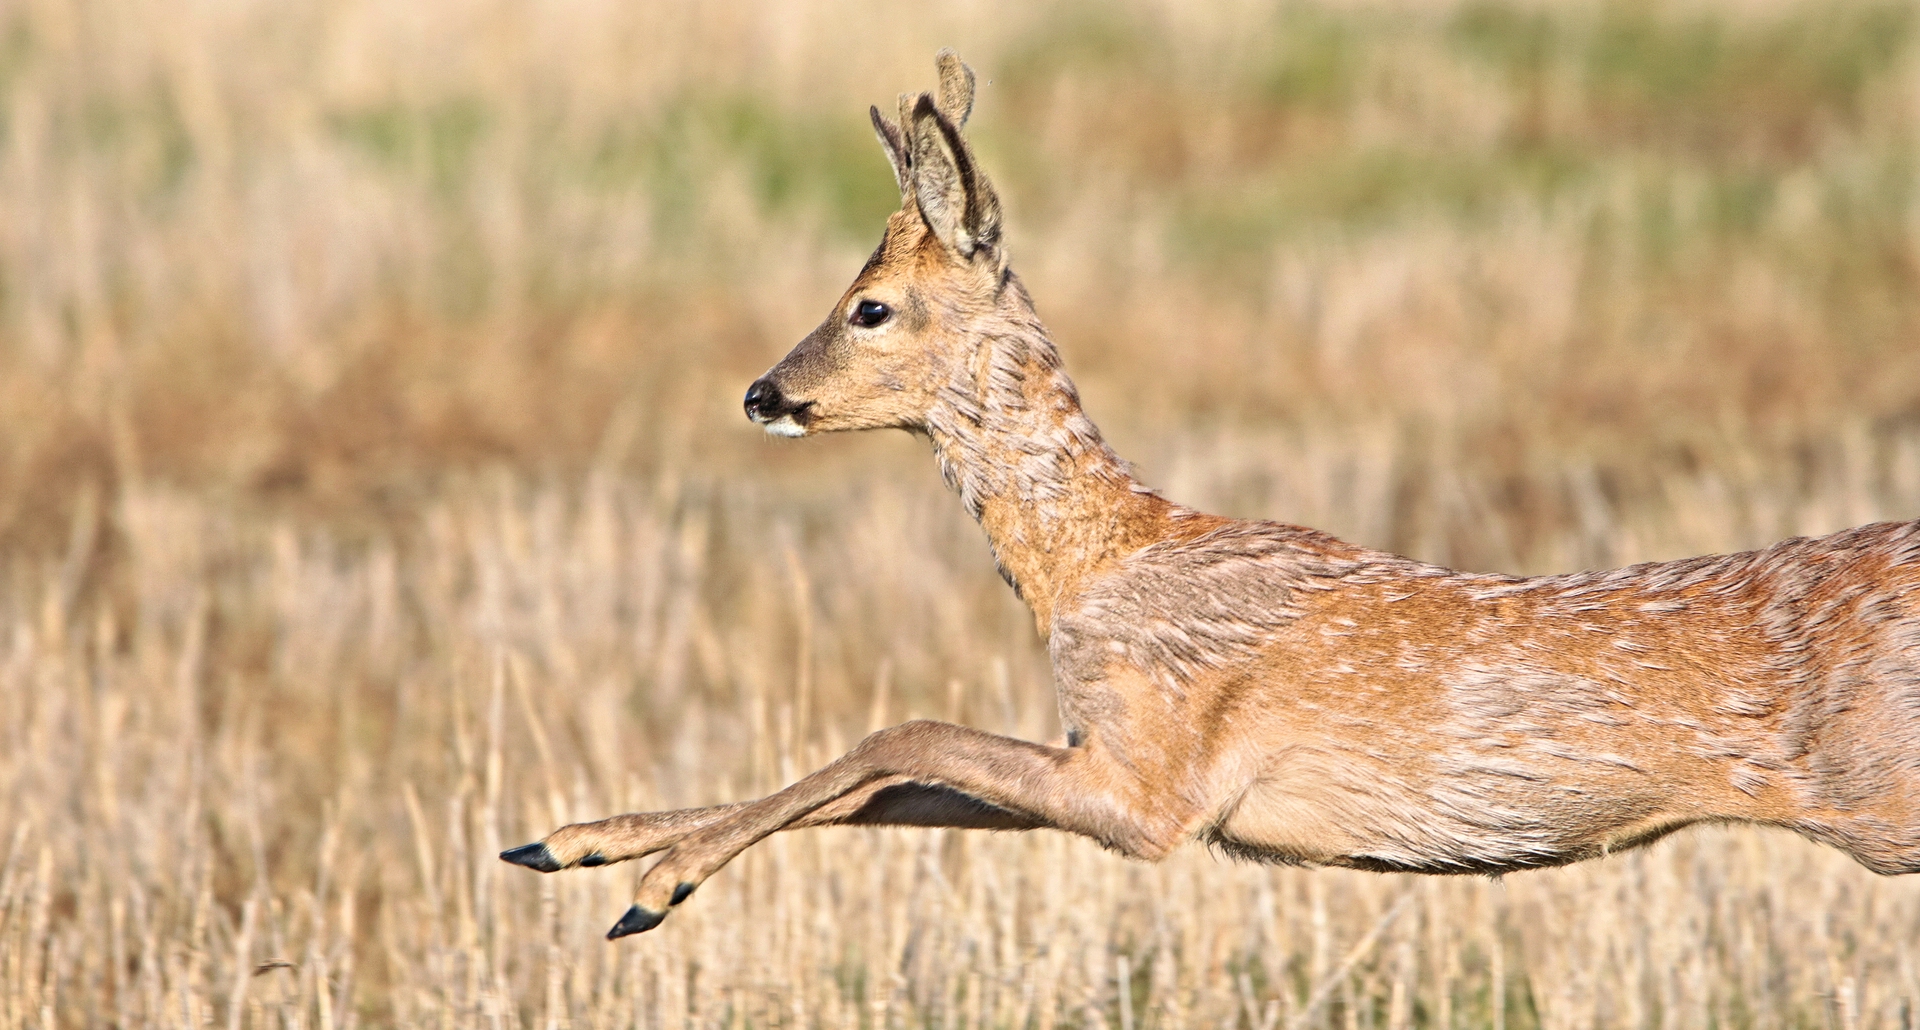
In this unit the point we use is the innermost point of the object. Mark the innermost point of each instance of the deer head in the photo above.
(911, 323)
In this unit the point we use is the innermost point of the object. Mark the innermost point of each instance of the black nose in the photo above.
(764, 403)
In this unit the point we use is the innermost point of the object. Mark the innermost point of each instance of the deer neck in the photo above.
(1056, 503)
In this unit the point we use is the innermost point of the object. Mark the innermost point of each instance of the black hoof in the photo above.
(533, 856)
(595, 859)
(681, 893)
(637, 920)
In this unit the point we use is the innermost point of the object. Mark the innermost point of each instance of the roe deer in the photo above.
(1277, 692)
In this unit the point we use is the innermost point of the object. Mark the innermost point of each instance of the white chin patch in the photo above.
(785, 426)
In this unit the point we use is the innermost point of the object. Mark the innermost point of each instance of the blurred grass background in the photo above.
(374, 492)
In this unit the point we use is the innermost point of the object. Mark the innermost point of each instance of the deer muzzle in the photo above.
(768, 406)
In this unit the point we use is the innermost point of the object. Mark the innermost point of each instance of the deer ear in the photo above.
(955, 198)
(895, 144)
(956, 87)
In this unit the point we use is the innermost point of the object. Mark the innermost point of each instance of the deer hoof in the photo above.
(637, 920)
(533, 856)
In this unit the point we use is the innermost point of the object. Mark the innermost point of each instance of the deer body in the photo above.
(1282, 694)
(1411, 718)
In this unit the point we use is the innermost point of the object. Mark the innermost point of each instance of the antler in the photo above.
(954, 101)
(956, 87)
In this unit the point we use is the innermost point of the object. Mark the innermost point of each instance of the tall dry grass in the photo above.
(373, 492)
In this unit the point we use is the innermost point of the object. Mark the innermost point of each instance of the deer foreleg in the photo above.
(891, 801)
(897, 801)
(1079, 789)
(615, 839)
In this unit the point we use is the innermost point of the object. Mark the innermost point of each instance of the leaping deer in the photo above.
(1277, 692)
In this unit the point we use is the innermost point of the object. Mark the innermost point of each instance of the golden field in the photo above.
(374, 492)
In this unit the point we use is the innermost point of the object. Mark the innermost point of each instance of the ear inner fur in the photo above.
(957, 202)
(983, 205)
(938, 185)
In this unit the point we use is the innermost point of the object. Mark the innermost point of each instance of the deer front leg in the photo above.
(1081, 790)
(616, 839)
(891, 801)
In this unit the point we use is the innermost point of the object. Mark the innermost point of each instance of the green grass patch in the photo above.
(1720, 87)
(791, 161)
(438, 141)
(1368, 191)
(1316, 60)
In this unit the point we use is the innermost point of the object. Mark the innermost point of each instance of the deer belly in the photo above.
(1384, 824)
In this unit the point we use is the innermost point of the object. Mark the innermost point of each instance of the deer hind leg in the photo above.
(1865, 760)
(1074, 789)
(1887, 847)
(1879, 829)
(890, 801)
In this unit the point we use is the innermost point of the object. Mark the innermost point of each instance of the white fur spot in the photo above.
(785, 426)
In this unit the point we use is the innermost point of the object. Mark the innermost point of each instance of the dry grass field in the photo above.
(374, 492)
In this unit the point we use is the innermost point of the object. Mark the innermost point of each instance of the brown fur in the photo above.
(1282, 694)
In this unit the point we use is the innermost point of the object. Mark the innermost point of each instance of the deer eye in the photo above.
(869, 313)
